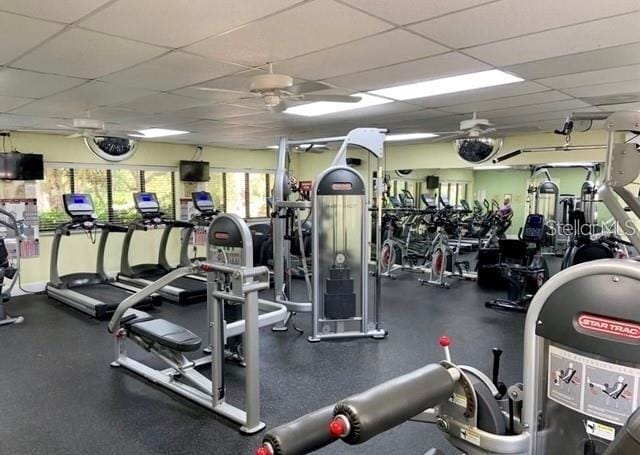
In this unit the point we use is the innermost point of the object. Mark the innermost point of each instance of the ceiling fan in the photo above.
(109, 145)
(85, 127)
(275, 89)
(473, 127)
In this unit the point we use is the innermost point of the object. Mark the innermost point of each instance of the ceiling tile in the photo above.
(450, 64)
(239, 81)
(217, 111)
(210, 127)
(555, 117)
(623, 107)
(564, 106)
(171, 71)
(8, 103)
(32, 123)
(623, 73)
(509, 18)
(408, 11)
(567, 40)
(160, 103)
(306, 28)
(512, 101)
(115, 114)
(34, 85)
(86, 54)
(59, 10)
(380, 50)
(613, 88)
(627, 54)
(501, 91)
(85, 97)
(19, 34)
(178, 23)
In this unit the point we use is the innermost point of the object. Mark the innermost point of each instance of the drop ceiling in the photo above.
(135, 63)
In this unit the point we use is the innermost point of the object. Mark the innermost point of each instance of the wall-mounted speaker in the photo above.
(433, 182)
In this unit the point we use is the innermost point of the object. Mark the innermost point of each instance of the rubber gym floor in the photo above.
(59, 395)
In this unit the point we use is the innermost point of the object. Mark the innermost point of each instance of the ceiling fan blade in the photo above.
(449, 137)
(331, 98)
(444, 133)
(125, 134)
(250, 96)
(306, 87)
(221, 90)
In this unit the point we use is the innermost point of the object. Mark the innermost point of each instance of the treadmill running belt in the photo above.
(188, 284)
(110, 295)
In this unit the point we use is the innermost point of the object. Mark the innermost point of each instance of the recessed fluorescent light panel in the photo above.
(409, 136)
(445, 85)
(158, 132)
(490, 168)
(326, 107)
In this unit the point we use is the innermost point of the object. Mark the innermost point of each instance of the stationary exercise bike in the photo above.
(444, 257)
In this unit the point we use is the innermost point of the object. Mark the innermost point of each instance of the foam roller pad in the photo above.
(303, 435)
(394, 402)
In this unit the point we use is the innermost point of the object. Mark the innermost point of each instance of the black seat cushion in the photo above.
(592, 252)
(167, 334)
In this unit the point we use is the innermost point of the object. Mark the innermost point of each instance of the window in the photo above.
(217, 190)
(111, 191)
(161, 183)
(235, 191)
(242, 193)
(49, 193)
(258, 192)
(93, 182)
(454, 191)
(124, 182)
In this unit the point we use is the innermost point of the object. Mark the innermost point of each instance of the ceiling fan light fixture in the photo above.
(271, 99)
(446, 85)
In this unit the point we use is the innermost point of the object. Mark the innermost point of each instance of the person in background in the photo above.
(505, 211)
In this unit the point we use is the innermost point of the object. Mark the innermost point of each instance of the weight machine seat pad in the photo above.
(167, 334)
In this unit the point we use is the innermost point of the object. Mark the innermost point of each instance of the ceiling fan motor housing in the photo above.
(270, 82)
(88, 124)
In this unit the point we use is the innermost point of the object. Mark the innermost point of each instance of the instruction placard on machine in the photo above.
(598, 389)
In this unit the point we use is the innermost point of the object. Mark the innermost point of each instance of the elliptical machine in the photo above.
(522, 266)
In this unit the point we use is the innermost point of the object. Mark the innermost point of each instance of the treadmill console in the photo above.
(203, 201)
(428, 201)
(78, 205)
(146, 203)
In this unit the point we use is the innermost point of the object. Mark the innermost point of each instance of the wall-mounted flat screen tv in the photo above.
(194, 171)
(21, 166)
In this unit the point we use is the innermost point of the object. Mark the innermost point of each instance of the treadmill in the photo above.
(206, 213)
(183, 291)
(95, 294)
